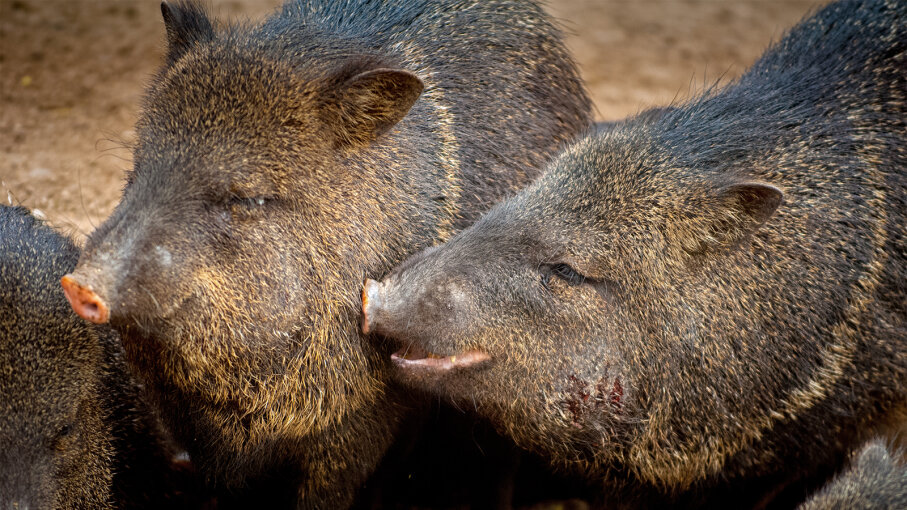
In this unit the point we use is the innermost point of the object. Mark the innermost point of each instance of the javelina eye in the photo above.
(568, 274)
(241, 205)
(249, 202)
(65, 430)
(63, 436)
(564, 272)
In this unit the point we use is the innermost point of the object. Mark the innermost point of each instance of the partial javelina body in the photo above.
(714, 297)
(73, 431)
(276, 167)
(875, 481)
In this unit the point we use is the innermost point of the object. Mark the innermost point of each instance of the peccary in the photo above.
(708, 303)
(874, 481)
(276, 166)
(74, 432)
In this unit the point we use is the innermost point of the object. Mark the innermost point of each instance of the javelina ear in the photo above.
(739, 209)
(186, 23)
(756, 201)
(372, 102)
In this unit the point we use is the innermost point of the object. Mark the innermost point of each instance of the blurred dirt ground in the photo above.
(72, 73)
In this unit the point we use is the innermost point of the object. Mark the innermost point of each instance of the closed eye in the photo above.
(568, 274)
(573, 278)
(63, 437)
(250, 202)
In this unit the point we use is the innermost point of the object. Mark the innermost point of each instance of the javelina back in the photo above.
(875, 481)
(276, 166)
(73, 431)
(713, 297)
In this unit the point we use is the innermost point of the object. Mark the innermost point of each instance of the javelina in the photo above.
(276, 166)
(74, 432)
(711, 297)
(875, 481)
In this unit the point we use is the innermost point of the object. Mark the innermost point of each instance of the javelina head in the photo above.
(232, 145)
(235, 251)
(54, 442)
(592, 316)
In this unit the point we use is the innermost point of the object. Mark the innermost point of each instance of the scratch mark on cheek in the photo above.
(617, 395)
(584, 401)
(578, 395)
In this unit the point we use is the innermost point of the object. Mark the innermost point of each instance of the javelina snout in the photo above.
(466, 325)
(389, 306)
(84, 300)
(442, 309)
(125, 273)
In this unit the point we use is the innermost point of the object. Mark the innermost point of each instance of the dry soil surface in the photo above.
(72, 74)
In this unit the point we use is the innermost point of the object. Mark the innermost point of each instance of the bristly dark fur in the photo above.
(699, 306)
(74, 432)
(279, 164)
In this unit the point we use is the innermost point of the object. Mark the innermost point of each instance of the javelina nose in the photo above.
(372, 301)
(84, 301)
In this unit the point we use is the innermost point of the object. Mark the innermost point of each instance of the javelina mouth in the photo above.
(416, 358)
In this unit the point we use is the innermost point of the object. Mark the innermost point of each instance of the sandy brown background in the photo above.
(72, 74)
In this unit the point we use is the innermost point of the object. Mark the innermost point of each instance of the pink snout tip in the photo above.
(370, 300)
(84, 301)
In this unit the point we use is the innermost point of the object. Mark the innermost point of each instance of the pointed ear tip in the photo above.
(399, 74)
(772, 188)
(779, 195)
(166, 10)
(772, 193)
(406, 85)
(410, 75)
(764, 189)
(769, 198)
(418, 83)
(412, 83)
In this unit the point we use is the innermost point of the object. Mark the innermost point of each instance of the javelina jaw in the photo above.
(416, 358)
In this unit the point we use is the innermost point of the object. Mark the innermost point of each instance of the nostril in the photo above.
(84, 301)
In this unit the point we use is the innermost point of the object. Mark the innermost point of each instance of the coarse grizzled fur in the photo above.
(276, 166)
(702, 306)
